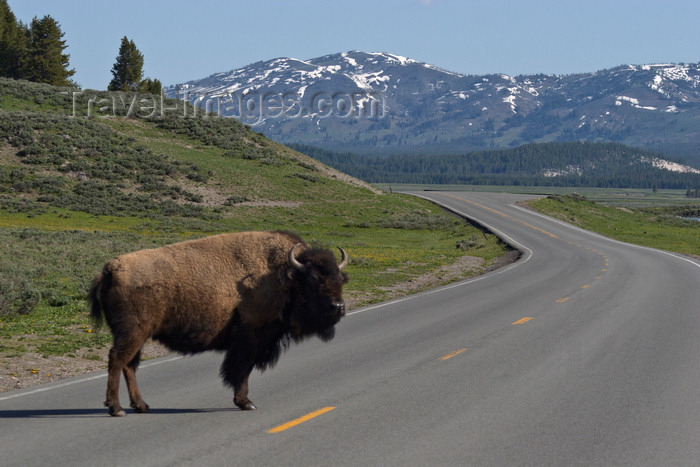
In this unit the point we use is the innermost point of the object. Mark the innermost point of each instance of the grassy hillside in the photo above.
(77, 190)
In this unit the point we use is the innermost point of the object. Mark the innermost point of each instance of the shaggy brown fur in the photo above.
(249, 294)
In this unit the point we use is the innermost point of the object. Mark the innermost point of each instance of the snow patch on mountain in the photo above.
(668, 165)
(568, 170)
(368, 81)
(634, 101)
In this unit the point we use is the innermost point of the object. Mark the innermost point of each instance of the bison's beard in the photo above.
(327, 334)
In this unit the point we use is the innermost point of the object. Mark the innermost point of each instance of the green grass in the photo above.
(55, 259)
(659, 227)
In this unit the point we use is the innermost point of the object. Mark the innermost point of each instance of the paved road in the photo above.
(584, 352)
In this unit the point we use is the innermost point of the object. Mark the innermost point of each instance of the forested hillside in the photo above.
(605, 165)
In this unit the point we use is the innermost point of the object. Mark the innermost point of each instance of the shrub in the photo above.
(416, 220)
(17, 295)
(472, 242)
(308, 177)
(98, 166)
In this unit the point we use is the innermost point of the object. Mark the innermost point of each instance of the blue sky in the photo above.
(185, 40)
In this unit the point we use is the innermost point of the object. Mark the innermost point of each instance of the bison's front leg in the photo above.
(240, 395)
(235, 371)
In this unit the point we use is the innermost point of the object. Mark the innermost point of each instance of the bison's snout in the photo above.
(339, 308)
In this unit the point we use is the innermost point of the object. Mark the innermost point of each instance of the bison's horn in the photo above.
(292, 259)
(343, 259)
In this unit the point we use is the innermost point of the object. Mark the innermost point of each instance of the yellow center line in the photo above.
(495, 211)
(523, 320)
(538, 229)
(452, 354)
(479, 205)
(300, 420)
(561, 300)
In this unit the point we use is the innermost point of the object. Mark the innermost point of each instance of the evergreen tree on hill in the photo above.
(13, 42)
(45, 61)
(151, 86)
(128, 69)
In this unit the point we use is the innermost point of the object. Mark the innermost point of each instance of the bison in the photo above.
(248, 294)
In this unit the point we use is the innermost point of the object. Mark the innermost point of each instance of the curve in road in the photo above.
(584, 352)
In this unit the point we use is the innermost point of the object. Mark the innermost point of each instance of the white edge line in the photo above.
(601, 236)
(83, 380)
(528, 254)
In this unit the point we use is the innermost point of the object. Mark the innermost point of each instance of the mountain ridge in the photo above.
(381, 102)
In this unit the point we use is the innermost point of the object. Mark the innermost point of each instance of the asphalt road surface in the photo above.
(584, 352)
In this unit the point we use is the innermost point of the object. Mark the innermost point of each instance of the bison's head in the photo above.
(316, 286)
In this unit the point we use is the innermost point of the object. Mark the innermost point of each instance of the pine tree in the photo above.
(13, 42)
(151, 86)
(45, 61)
(128, 69)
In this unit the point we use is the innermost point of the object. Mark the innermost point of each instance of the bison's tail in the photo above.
(96, 311)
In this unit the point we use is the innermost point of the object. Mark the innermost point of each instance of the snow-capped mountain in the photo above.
(358, 101)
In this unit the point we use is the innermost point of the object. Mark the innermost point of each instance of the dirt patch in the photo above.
(463, 268)
(31, 368)
(272, 204)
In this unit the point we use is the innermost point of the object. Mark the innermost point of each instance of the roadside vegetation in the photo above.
(663, 227)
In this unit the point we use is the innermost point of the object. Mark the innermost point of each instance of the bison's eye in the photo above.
(312, 278)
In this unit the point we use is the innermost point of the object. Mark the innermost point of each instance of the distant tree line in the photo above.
(604, 165)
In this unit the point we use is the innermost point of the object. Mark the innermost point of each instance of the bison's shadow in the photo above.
(84, 413)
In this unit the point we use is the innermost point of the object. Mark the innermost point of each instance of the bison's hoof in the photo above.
(140, 407)
(115, 410)
(247, 405)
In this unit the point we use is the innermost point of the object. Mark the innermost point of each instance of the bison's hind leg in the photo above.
(137, 402)
(124, 357)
